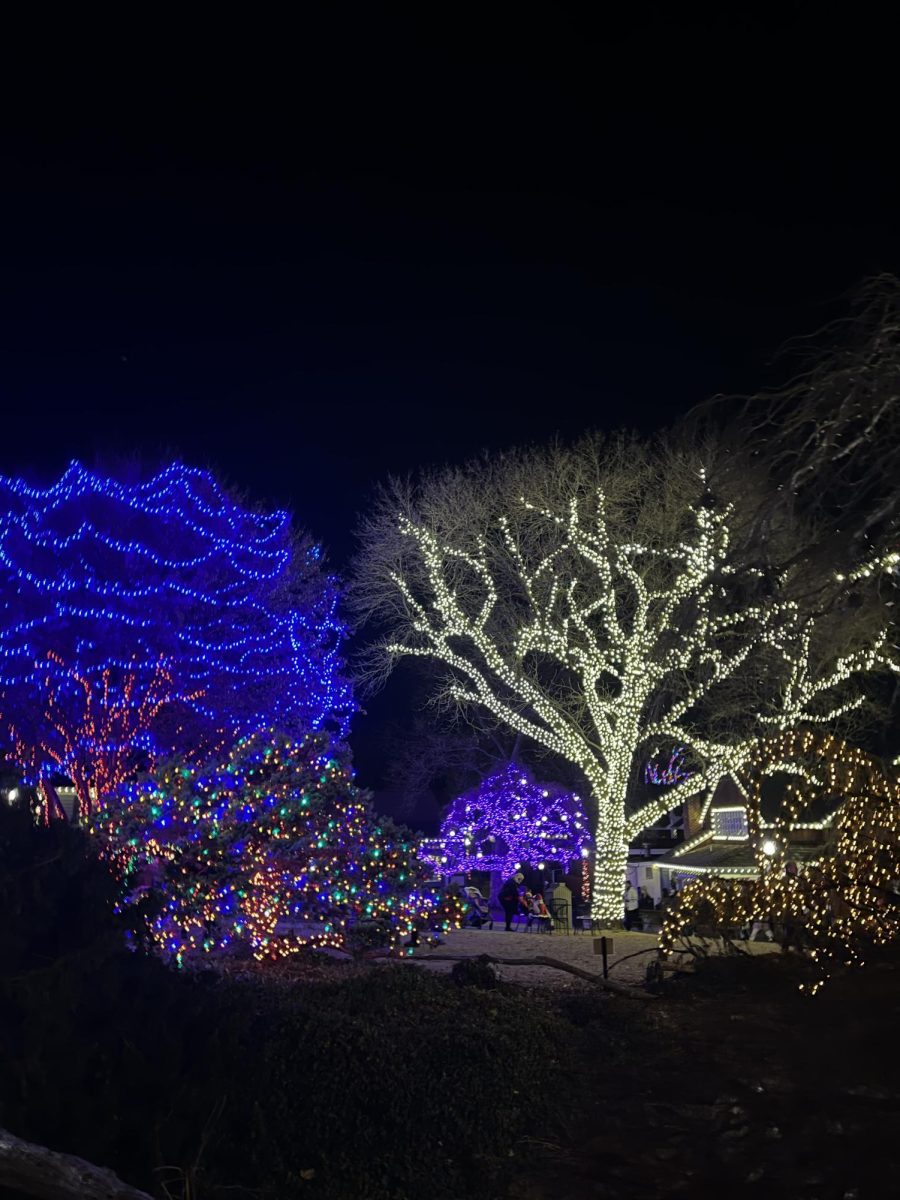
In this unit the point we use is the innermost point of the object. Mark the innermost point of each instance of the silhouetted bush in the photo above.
(387, 1083)
(477, 972)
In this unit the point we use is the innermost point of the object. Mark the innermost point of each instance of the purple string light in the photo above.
(510, 821)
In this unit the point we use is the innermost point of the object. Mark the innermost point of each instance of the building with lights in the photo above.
(14, 793)
(648, 853)
(717, 839)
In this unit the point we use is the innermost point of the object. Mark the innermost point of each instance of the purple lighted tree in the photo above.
(511, 821)
(152, 618)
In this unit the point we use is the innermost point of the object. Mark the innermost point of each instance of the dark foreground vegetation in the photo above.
(735, 1085)
(388, 1083)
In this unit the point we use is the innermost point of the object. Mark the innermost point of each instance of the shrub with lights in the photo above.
(151, 618)
(262, 852)
(836, 907)
(510, 821)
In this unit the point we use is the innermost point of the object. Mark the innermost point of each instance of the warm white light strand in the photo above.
(612, 615)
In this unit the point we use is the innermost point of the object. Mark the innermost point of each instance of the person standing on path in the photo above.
(632, 901)
(509, 898)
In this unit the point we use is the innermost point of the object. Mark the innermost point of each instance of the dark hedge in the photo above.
(384, 1083)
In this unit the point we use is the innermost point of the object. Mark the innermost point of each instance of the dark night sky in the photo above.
(314, 255)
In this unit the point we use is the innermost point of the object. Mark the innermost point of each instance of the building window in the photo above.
(729, 822)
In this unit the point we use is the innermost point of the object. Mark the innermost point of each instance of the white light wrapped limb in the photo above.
(621, 665)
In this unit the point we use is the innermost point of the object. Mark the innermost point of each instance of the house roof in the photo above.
(735, 858)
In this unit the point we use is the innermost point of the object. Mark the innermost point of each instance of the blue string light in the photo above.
(104, 583)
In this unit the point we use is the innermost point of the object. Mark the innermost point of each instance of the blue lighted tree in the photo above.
(153, 618)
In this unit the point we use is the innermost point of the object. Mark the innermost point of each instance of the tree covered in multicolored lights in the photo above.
(265, 850)
(510, 821)
(669, 772)
(142, 619)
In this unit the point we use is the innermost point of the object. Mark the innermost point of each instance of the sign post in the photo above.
(604, 947)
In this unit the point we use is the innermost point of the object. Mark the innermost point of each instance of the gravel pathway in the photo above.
(576, 948)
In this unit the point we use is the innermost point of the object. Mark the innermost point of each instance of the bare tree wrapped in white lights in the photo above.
(602, 602)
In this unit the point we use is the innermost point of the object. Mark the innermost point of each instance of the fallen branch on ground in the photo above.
(636, 954)
(650, 950)
(541, 960)
(36, 1171)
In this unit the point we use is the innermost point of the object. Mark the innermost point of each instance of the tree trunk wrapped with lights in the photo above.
(597, 601)
(98, 732)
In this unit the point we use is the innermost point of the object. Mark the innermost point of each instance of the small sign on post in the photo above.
(604, 947)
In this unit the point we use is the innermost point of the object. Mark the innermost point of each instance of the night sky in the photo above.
(310, 255)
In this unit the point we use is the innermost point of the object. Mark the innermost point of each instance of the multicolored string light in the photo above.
(510, 821)
(106, 584)
(672, 773)
(269, 850)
